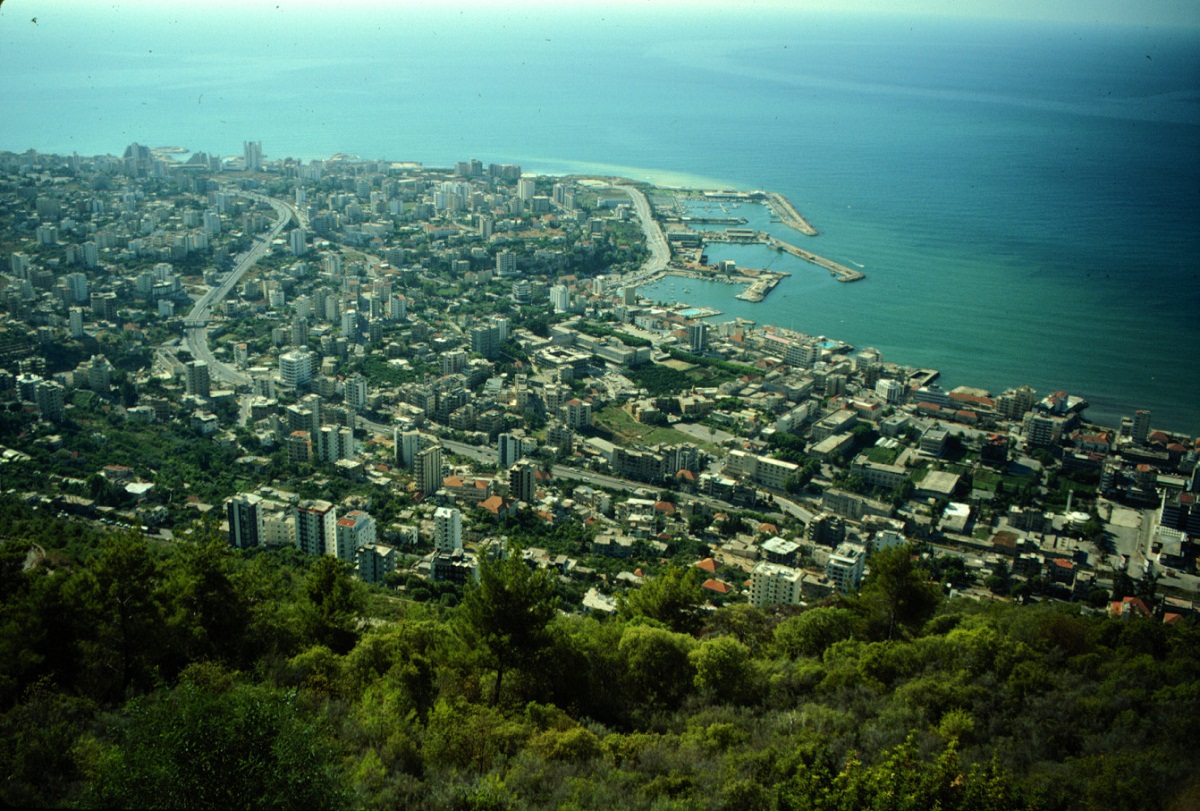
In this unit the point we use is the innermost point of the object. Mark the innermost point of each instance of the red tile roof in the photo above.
(713, 584)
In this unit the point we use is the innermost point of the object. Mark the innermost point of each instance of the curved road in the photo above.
(656, 241)
(195, 322)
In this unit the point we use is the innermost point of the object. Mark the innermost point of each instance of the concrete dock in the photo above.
(788, 214)
(838, 271)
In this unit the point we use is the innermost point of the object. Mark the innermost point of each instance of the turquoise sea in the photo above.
(1023, 197)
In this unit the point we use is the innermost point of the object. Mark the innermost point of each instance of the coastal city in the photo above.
(412, 369)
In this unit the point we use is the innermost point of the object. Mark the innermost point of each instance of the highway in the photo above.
(195, 328)
(656, 241)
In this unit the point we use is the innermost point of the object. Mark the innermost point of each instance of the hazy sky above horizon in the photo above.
(1171, 13)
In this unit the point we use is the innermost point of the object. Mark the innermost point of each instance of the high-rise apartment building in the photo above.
(485, 340)
(510, 448)
(354, 531)
(1141, 426)
(506, 264)
(845, 567)
(773, 584)
(334, 444)
(76, 321)
(447, 529)
(197, 381)
(316, 527)
(252, 152)
(296, 368)
(522, 482)
(560, 297)
(245, 520)
(427, 469)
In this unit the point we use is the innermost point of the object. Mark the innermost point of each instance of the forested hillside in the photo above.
(140, 675)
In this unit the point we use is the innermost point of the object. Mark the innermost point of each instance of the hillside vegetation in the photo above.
(196, 676)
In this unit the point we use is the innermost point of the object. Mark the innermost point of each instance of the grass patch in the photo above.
(660, 380)
(883, 456)
(989, 480)
(626, 430)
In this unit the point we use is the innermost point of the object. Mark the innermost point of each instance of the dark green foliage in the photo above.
(673, 598)
(247, 747)
(504, 617)
(334, 602)
(898, 595)
(192, 675)
(812, 632)
(660, 380)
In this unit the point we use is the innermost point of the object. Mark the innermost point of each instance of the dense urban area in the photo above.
(362, 483)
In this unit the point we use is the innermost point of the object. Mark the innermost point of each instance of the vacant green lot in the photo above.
(628, 431)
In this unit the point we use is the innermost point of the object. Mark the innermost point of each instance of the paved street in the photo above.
(195, 324)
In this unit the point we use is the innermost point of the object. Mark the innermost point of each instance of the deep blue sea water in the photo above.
(1025, 198)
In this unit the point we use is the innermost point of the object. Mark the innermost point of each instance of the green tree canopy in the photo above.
(190, 747)
(673, 598)
(333, 605)
(504, 616)
(897, 593)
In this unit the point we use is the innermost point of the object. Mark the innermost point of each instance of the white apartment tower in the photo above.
(447, 529)
(295, 368)
(506, 264)
(252, 152)
(427, 469)
(298, 242)
(845, 567)
(354, 531)
(334, 444)
(773, 584)
(560, 297)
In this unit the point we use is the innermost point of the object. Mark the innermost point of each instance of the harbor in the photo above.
(744, 236)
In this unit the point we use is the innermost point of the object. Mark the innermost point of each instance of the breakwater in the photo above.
(836, 269)
(788, 214)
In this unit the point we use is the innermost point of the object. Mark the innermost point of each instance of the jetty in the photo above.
(788, 214)
(758, 290)
(836, 269)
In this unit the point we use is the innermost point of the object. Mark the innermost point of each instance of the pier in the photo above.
(757, 291)
(788, 214)
(714, 220)
(836, 269)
